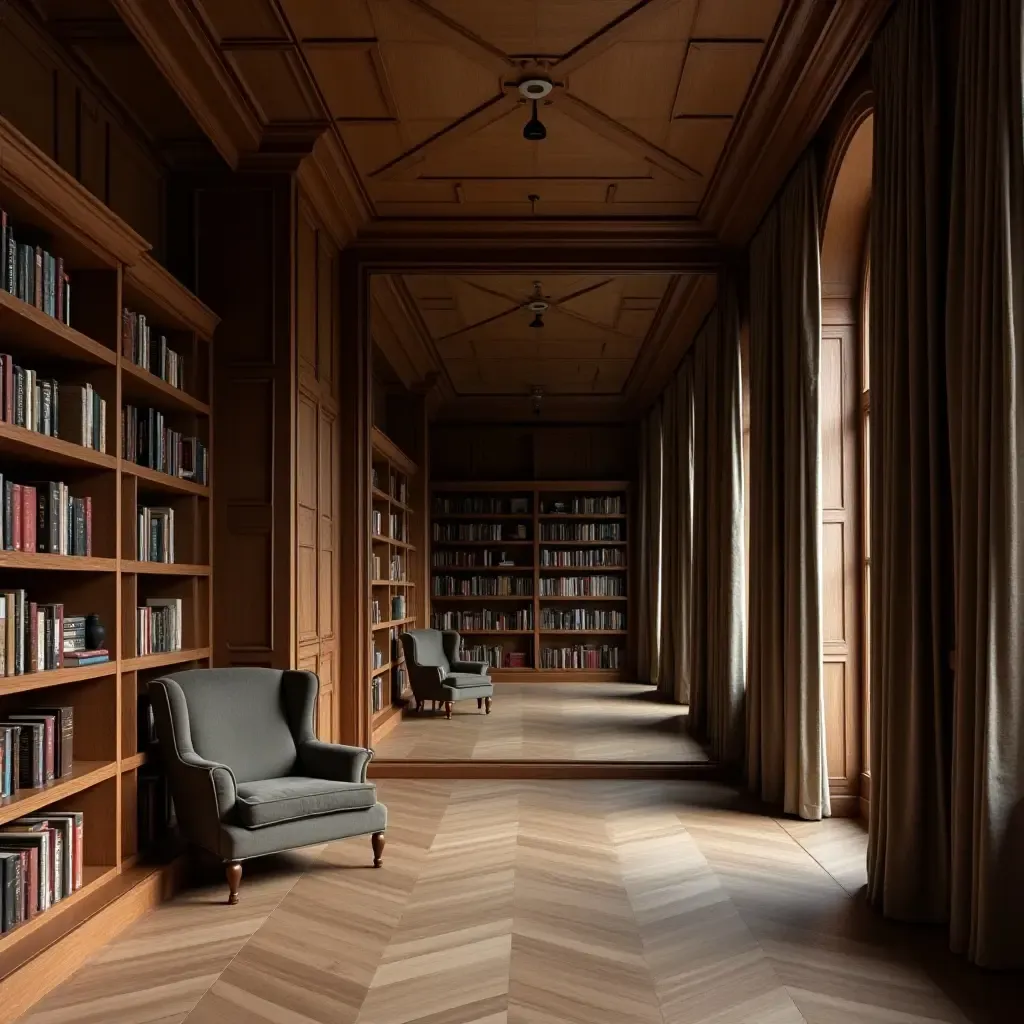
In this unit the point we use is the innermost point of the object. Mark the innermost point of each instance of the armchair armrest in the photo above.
(202, 778)
(334, 761)
(478, 668)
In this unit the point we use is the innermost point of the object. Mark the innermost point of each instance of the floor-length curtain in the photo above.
(785, 699)
(649, 549)
(677, 553)
(985, 340)
(716, 612)
(908, 859)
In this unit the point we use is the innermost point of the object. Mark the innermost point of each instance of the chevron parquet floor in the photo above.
(541, 903)
(550, 722)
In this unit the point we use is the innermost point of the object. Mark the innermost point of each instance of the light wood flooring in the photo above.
(540, 903)
(550, 722)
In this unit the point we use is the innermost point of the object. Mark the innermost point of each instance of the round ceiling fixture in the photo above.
(534, 88)
(537, 306)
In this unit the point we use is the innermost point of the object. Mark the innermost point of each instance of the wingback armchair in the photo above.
(437, 674)
(247, 773)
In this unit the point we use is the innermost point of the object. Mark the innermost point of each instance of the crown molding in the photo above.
(815, 48)
(327, 177)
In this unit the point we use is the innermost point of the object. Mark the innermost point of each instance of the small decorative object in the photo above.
(95, 634)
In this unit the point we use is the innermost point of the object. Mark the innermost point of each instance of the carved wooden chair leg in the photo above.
(448, 709)
(487, 704)
(233, 871)
(377, 841)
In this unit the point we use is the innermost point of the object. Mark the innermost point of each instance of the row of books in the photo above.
(399, 489)
(472, 559)
(36, 747)
(482, 586)
(479, 531)
(396, 526)
(41, 863)
(149, 442)
(151, 353)
(377, 523)
(396, 568)
(582, 586)
(492, 655)
(156, 534)
(44, 517)
(582, 558)
(480, 506)
(31, 273)
(589, 505)
(581, 618)
(483, 618)
(378, 657)
(378, 688)
(36, 637)
(158, 626)
(73, 412)
(581, 531)
(582, 656)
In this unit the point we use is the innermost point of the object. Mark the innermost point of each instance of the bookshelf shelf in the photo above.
(24, 324)
(386, 667)
(536, 651)
(108, 264)
(157, 481)
(57, 563)
(85, 775)
(166, 658)
(138, 384)
(28, 445)
(164, 568)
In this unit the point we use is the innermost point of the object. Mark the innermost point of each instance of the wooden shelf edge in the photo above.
(176, 396)
(164, 568)
(384, 721)
(72, 454)
(134, 761)
(165, 658)
(378, 626)
(380, 671)
(55, 677)
(79, 345)
(383, 445)
(62, 563)
(86, 774)
(168, 293)
(165, 480)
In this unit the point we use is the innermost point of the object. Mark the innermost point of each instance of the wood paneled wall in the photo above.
(264, 260)
(482, 451)
(44, 96)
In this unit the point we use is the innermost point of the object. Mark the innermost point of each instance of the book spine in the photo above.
(28, 518)
(67, 740)
(18, 503)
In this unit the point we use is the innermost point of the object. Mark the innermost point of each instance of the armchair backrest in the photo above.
(452, 642)
(424, 648)
(250, 719)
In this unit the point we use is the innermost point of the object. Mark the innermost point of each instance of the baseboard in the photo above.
(845, 805)
(53, 953)
(473, 769)
(560, 675)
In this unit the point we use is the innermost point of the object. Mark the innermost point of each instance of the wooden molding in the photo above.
(177, 42)
(148, 277)
(330, 181)
(71, 208)
(812, 53)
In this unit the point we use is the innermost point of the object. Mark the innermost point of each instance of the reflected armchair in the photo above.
(437, 674)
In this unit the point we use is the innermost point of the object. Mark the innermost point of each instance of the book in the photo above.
(63, 837)
(12, 910)
(75, 839)
(17, 836)
(64, 735)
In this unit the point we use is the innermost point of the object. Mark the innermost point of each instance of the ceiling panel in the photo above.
(736, 19)
(351, 78)
(276, 84)
(317, 19)
(252, 19)
(594, 329)
(716, 77)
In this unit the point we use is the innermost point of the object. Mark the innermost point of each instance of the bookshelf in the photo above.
(393, 579)
(534, 579)
(110, 270)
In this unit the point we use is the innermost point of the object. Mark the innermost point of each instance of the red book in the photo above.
(88, 525)
(16, 515)
(29, 514)
(32, 888)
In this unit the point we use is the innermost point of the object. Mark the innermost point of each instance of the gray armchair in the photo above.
(247, 773)
(437, 674)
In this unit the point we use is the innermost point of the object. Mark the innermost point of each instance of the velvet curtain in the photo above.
(648, 550)
(785, 698)
(716, 612)
(985, 345)
(908, 859)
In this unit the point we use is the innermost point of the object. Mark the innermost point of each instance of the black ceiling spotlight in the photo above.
(537, 306)
(534, 89)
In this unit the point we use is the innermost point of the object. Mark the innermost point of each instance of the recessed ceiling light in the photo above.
(534, 88)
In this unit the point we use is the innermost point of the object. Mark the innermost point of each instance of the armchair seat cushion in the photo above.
(272, 801)
(457, 679)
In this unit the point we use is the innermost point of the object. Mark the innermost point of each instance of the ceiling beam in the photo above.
(460, 38)
(608, 128)
(487, 113)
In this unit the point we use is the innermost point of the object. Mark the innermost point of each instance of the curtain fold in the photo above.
(985, 347)
(648, 549)
(785, 698)
(669, 673)
(908, 847)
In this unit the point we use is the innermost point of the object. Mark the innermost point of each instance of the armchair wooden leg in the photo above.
(448, 709)
(233, 870)
(419, 706)
(487, 704)
(479, 703)
(377, 841)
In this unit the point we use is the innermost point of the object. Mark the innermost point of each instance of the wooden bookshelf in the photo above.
(530, 536)
(110, 269)
(393, 562)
